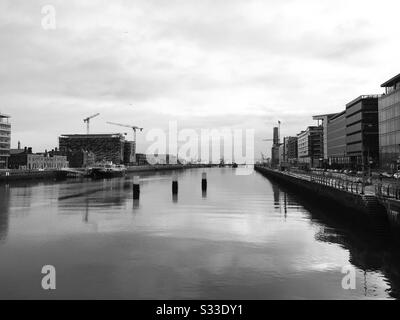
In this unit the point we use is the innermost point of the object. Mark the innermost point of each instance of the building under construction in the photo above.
(105, 147)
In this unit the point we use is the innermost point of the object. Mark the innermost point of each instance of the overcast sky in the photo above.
(205, 63)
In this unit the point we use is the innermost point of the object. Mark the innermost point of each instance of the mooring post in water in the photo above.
(204, 181)
(136, 187)
(175, 185)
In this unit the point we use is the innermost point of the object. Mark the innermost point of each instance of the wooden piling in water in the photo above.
(136, 188)
(175, 185)
(204, 181)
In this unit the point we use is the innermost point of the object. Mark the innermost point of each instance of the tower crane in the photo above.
(87, 121)
(134, 128)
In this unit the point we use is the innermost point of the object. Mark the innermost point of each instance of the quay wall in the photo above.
(393, 211)
(366, 206)
(20, 175)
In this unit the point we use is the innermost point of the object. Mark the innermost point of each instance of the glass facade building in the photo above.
(310, 147)
(336, 140)
(362, 132)
(5, 140)
(389, 125)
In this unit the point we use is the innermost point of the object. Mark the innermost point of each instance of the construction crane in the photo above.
(87, 121)
(134, 128)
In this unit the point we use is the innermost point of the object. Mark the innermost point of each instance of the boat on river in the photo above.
(107, 171)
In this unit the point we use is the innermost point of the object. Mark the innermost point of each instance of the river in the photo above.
(245, 238)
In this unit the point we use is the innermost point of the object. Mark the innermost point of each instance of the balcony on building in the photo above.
(392, 85)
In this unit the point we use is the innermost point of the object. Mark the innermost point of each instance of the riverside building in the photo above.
(5, 140)
(389, 125)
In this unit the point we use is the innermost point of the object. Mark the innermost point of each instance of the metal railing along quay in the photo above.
(350, 185)
(391, 191)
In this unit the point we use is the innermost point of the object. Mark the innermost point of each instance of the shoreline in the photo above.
(33, 175)
(365, 208)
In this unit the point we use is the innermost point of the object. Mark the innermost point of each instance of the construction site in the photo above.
(113, 147)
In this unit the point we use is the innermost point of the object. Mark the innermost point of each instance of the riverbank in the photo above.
(32, 175)
(21, 175)
(366, 208)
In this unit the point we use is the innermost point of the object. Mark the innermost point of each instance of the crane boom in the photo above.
(134, 128)
(87, 121)
(91, 117)
(125, 125)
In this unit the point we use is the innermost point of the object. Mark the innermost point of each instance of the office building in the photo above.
(282, 154)
(323, 121)
(25, 159)
(310, 147)
(5, 140)
(336, 141)
(106, 147)
(362, 133)
(290, 144)
(389, 125)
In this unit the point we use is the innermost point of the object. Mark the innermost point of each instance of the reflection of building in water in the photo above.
(4, 208)
(108, 193)
(277, 194)
(368, 252)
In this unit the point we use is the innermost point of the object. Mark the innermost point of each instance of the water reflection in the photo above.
(246, 237)
(104, 193)
(4, 205)
(370, 253)
(136, 203)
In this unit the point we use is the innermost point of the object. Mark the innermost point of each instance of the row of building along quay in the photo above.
(362, 136)
(74, 151)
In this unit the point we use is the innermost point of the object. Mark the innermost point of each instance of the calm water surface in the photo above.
(247, 238)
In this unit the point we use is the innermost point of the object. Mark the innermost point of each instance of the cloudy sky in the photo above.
(207, 64)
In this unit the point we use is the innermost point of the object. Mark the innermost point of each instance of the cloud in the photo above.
(206, 63)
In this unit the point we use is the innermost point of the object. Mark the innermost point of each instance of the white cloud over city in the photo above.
(207, 64)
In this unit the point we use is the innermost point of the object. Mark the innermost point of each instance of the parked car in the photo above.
(396, 175)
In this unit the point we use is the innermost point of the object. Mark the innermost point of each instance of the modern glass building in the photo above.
(389, 125)
(323, 121)
(106, 147)
(310, 147)
(336, 141)
(290, 144)
(5, 140)
(362, 133)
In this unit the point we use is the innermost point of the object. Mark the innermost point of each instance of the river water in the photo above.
(246, 238)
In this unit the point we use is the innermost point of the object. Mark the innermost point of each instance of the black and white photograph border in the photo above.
(213, 151)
